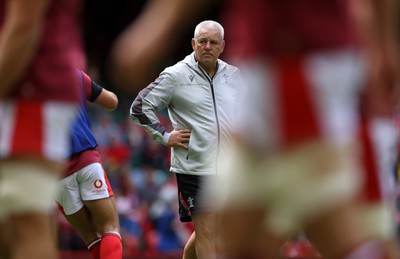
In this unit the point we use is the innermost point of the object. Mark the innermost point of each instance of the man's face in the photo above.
(208, 46)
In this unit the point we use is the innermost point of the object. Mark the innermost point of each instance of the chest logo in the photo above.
(191, 77)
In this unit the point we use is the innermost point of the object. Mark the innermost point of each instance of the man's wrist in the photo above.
(165, 138)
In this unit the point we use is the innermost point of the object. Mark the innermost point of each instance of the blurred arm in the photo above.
(95, 93)
(149, 38)
(107, 100)
(377, 30)
(19, 39)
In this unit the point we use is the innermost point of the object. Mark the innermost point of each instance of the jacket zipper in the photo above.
(210, 80)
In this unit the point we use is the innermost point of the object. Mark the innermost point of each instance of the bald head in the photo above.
(209, 25)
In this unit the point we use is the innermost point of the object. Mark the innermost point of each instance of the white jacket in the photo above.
(194, 101)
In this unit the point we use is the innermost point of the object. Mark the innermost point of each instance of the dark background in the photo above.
(104, 20)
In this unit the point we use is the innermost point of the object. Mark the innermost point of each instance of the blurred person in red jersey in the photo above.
(40, 47)
(84, 194)
(299, 160)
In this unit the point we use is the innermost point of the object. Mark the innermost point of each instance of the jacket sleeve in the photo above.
(148, 102)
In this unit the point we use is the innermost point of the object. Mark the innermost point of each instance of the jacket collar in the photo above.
(192, 62)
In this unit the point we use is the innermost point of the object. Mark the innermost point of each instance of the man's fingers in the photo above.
(185, 140)
(179, 137)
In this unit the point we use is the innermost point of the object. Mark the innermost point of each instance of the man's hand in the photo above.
(179, 138)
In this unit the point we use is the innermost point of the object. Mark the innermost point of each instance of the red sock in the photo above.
(94, 248)
(111, 246)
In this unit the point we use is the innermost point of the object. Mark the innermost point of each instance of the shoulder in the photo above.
(228, 68)
(176, 71)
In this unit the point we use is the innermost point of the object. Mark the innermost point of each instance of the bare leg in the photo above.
(205, 238)
(105, 215)
(189, 252)
(83, 224)
(27, 231)
(243, 235)
(24, 240)
(4, 247)
(326, 231)
(95, 218)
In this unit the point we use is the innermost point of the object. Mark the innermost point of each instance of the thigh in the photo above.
(104, 214)
(323, 231)
(4, 244)
(83, 223)
(30, 235)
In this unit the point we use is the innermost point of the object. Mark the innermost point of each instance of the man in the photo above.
(84, 194)
(40, 47)
(199, 92)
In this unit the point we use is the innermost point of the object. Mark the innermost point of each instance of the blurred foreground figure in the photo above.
(298, 160)
(84, 195)
(40, 47)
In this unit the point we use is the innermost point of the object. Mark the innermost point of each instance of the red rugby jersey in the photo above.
(284, 27)
(52, 73)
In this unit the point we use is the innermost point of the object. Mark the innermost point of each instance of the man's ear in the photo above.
(193, 43)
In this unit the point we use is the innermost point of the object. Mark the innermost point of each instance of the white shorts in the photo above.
(380, 143)
(384, 138)
(25, 187)
(87, 184)
(36, 128)
(293, 187)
